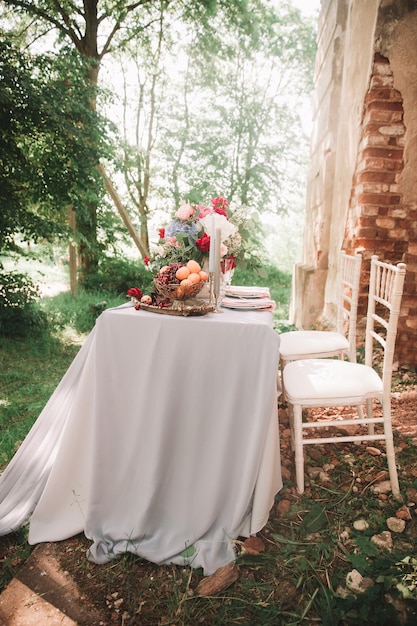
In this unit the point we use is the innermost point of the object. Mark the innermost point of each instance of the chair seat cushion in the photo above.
(324, 382)
(300, 344)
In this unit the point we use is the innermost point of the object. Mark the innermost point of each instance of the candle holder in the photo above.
(214, 294)
(211, 287)
(217, 298)
(216, 302)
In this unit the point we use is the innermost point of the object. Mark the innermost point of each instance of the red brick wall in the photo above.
(378, 222)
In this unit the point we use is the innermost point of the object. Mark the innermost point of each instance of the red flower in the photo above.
(146, 260)
(203, 243)
(134, 292)
(220, 205)
(228, 264)
(161, 232)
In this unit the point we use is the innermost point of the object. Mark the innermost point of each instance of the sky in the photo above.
(308, 7)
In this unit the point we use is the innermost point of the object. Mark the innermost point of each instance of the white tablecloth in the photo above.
(161, 439)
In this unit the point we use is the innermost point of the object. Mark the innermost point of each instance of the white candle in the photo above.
(218, 240)
(212, 241)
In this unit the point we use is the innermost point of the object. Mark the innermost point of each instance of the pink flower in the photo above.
(185, 212)
(203, 211)
(172, 241)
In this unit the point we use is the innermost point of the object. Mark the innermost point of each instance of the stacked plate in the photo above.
(247, 298)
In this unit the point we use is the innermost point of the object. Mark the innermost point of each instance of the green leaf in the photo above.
(314, 520)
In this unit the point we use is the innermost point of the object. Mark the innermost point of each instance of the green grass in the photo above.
(30, 371)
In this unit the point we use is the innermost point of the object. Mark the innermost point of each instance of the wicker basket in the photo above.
(177, 291)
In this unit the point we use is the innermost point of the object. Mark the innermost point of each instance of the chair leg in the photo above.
(389, 442)
(298, 445)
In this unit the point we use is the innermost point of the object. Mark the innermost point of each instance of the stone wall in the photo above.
(362, 186)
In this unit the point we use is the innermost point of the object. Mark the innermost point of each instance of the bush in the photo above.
(116, 275)
(19, 313)
(80, 313)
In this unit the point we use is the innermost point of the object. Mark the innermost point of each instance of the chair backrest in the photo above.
(349, 274)
(386, 285)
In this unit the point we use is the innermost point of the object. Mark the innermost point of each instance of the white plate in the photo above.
(247, 292)
(256, 306)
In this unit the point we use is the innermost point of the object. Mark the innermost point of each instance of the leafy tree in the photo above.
(88, 23)
(48, 143)
(215, 111)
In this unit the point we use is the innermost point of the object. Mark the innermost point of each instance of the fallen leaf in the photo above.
(253, 545)
(220, 580)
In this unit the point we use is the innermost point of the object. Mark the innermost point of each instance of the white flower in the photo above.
(220, 222)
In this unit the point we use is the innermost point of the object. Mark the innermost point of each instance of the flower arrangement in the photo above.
(188, 234)
(178, 259)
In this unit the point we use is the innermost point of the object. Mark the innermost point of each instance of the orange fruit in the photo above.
(194, 267)
(186, 283)
(182, 272)
(194, 277)
(203, 275)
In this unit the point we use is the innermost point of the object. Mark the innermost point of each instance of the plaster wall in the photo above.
(358, 54)
(345, 52)
(366, 72)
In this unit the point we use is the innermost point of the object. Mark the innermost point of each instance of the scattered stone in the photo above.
(324, 477)
(356, 583)
(396, 525)
(220, 580)
(315, 453)
(253, 545)
(283, 416)
(342, 592)
(384, 540)
(283, 507)
(382, 487)
(373, 451)
(313, 472)
(403, 513)
(344, 536)
(361, 525)
(380, 476)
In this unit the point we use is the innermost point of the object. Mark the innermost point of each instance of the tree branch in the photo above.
(122, 211)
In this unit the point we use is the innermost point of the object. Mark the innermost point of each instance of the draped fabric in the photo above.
(161, 439)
